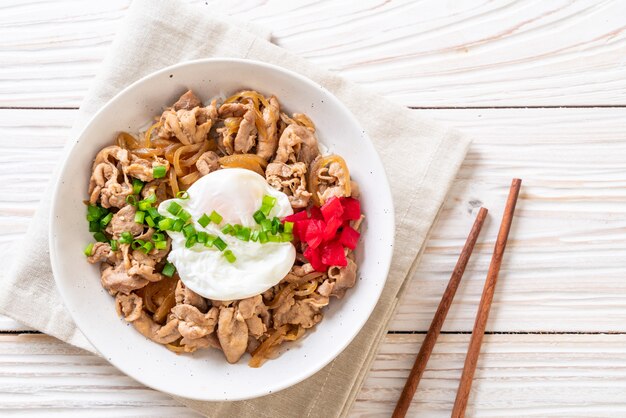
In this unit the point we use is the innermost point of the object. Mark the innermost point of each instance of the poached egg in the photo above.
(235, 194)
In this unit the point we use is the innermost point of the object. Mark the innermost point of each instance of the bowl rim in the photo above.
(384, 193)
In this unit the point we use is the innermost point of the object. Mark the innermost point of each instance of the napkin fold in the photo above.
(421, 159)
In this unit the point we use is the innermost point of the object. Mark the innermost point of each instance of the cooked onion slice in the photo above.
(248, 161)
(314, 180)
(264, 350)
(306, 289)
(282, 294)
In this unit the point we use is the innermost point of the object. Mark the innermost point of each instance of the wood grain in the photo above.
(565, 268)
(428, 53)
(518, 375)
(40, 375)
(434, 330)
(473, 349)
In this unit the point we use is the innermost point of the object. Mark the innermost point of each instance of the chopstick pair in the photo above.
(482, 315)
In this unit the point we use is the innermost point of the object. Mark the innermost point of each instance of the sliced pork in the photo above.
(297, 144)
(187, 101)
(193, 323)
(208, 163)
(143, 169)
(344, 278)
(247, 133)
(304, 312)
(291, 180)
(232, 333)
(124, 221)
(186, 296)
(162, 334)
(266, 147)
(128, 306)
(188, 126)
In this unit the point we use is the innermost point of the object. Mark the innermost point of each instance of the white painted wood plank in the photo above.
(41, 375)
(565, 260)
(428, 53)
(564, 266)
(30, 146)
(517, 375)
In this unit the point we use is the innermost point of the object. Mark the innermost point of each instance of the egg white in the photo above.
(235, 194)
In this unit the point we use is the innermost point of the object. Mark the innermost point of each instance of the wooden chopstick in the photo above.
(435, 327)
(482, 315)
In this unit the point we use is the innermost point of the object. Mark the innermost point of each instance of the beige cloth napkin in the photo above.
(421, 158)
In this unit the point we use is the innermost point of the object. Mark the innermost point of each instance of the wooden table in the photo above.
(539, 85)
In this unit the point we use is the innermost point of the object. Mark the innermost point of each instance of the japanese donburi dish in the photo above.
(223, 226)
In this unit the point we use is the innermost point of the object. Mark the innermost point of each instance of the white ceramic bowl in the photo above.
(205, 375)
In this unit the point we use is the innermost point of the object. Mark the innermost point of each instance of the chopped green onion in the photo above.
(204, 220)
(266, 225)
(182, 195)
(210, 240)
(160, 245)
(147, 203)
(258, 216)
(266, 210)
(178, 225)
(157, 236)
(168, 270)
(288, 227)
(220, 244)
(273, 238)
(286, 237)
(114, 246)
(267, 204)
(202, 237)
(89, 249)
(159, 172)
(215, 217)
(137, 186)
(126, 238)
(275, 225)
(174, 208)
(243, 233)
(105, 221)
(131, 200)
(100, 237)
(139, 217)
(137, 244)
(150, 221)
(263, 237)
(166, 224)
(153, 212)
(254, 236)
(268, 200)
(147, 247)
(237, 228)
(228, 229)
(94, 226)
(184, 215)
(230, 257)
(191, 241)
(94, 212)
(189, 230)
(143, 205)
